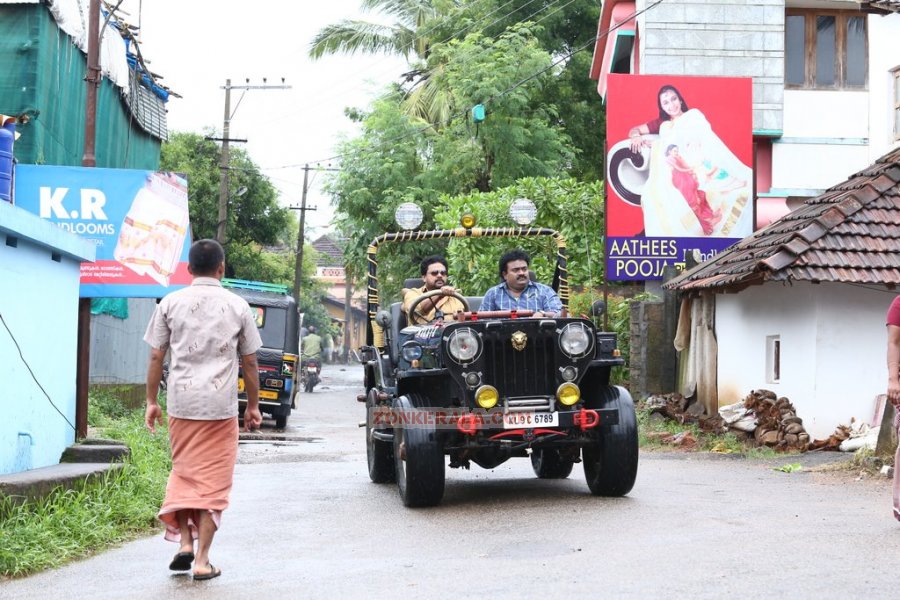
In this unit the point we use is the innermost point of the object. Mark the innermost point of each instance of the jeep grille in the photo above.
(521, 373)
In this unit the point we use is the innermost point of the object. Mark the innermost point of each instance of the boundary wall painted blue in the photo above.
(39, 281)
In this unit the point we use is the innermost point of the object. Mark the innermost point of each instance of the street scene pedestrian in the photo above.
(205, 328)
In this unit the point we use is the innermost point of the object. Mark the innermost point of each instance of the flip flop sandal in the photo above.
(182, 561)
(213, 572)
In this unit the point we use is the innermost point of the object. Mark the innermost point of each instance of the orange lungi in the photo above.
(203, 457)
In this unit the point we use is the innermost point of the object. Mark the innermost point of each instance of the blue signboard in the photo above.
(137, 219)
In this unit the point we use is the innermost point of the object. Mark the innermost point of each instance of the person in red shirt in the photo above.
(893, 390)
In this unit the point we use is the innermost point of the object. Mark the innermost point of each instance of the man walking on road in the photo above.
(205, 328)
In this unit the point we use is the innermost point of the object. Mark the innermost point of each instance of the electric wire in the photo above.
(33, 376)
(516, 85)
(327, 99)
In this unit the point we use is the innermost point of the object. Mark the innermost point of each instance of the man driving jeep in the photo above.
(434, 276)
(518, 292)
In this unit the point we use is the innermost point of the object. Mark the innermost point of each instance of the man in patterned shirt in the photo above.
(518, 292)
(205, 328)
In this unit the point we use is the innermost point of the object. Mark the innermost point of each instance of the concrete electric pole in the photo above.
(223, 162)
(298, 259)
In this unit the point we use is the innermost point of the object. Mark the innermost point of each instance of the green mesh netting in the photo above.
(117, 307)
(42, 70)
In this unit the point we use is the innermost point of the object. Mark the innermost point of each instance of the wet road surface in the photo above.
(306, 522)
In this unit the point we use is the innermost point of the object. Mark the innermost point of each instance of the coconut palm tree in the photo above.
(415, 27)
(407, 36)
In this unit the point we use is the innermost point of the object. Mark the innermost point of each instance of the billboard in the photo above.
(679, 172)
(137, 219)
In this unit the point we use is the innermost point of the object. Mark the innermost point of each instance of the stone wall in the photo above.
(720, 38)
(652, 362)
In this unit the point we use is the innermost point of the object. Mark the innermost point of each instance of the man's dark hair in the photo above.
(430, 260)
(511, 256)
(205, 257)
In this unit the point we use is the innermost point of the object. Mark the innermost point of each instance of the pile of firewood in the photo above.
(777, 423)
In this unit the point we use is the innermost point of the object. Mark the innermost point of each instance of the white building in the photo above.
(799, 307)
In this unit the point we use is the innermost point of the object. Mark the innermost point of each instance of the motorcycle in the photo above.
(309, 374)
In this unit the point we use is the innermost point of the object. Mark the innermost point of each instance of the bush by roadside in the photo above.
(74, 523)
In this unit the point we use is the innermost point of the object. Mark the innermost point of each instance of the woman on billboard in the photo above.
(696, 186)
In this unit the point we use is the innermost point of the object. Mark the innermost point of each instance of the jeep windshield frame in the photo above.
(375, 333)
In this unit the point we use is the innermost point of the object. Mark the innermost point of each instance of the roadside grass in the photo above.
(110, 510)
(728, 443)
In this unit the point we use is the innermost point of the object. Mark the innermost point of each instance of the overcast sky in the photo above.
(195, 45)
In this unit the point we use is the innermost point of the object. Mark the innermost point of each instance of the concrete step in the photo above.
(94, 453)
(36, 483)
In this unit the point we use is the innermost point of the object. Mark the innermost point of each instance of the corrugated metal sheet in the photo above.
(118, 352)
(850, 234)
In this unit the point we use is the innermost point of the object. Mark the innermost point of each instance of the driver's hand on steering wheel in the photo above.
(448, 290)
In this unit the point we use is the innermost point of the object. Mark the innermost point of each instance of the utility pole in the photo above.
(88, 159)
(298, 264)
(223, 162)
(298, 260)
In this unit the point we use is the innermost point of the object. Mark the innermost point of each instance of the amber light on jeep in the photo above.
(568, 394)
(487, 396)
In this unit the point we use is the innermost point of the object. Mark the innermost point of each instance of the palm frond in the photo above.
(350, 37)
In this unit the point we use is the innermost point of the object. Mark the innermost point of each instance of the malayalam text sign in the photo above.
(137, 219)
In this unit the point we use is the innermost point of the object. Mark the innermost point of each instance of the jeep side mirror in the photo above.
(383, 318)
(598, 308)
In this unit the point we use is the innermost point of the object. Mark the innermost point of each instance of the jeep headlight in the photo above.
(575, 340)
(464, 345)
(411, 351)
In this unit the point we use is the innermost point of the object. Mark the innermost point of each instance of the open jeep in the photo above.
(490, 386)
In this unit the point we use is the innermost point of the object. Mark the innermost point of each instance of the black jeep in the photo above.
(490, 386)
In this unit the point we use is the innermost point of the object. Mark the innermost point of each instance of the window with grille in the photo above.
(825, 50)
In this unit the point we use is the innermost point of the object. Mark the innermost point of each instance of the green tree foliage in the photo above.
(564, 29)
(408, 35)
(573, 208)
(396, 159)
(255, 220)
(520, 135)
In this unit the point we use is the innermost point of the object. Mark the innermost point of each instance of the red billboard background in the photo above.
(689, 186)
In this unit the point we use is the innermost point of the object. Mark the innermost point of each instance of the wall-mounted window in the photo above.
(825, 50)
(773, 358)
(895, 76)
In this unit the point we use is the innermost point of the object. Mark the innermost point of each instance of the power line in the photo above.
(455, 35)
(33, 376)
(516, 85)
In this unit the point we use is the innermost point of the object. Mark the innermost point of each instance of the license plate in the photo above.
(268, 395)
(526, 420)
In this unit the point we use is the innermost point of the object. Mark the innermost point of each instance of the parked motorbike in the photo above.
(309, 374)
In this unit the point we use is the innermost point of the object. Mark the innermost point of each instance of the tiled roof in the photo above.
(882, 6)
(330, 252)
(849, 234)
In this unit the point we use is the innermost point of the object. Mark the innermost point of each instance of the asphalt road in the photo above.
(305, 522)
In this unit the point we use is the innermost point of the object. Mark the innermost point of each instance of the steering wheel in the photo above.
(412, 314)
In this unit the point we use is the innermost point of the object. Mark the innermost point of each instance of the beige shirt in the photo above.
(428, 308)
(205, 327)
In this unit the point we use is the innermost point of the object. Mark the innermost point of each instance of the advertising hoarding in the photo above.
(679, 170)
(137, 219)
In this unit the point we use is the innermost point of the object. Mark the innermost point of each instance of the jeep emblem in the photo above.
(519, 340)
